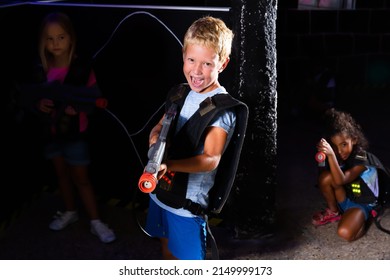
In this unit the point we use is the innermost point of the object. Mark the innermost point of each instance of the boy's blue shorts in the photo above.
(186, 236)
(74, 152)
(348, 203)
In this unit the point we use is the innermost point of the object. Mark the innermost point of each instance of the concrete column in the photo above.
(255, 50)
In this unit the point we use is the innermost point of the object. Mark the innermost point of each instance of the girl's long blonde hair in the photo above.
(64, 21)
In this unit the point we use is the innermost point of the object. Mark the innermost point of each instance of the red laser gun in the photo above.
(148, 180)
(320, 158)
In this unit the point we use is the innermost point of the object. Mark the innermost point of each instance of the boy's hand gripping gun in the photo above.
(148, 181)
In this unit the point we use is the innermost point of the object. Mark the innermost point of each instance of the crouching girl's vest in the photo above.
(359, 191)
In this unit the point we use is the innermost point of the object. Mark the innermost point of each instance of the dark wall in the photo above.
(337, 58)
(350, 46)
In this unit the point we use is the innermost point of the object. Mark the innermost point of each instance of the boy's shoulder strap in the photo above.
(177, 94)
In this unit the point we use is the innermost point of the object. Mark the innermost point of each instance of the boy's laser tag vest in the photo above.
(172, 188)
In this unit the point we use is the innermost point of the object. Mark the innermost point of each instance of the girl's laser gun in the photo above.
(82, 98)
(148, 181)
(320, 158)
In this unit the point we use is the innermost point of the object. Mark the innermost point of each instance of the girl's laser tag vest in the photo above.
(172, 188)
(359, 191)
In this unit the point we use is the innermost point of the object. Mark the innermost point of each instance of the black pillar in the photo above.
(255, 50)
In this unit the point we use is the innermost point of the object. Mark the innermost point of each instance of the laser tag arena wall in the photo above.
(137, 56)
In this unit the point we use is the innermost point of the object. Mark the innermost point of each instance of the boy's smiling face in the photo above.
(201, 67)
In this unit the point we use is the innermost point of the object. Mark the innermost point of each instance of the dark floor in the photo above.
(28, 236)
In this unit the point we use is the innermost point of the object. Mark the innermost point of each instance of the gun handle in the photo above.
(147, 183)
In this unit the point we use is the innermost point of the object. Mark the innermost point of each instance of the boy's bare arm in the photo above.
(207, 161)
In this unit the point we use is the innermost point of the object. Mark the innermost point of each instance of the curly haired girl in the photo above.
(348, 182)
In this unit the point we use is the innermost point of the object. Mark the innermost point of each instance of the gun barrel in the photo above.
(147, 183)
(148, 180)
(320, 158)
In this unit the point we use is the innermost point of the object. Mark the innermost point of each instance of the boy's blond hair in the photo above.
(212, 33)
